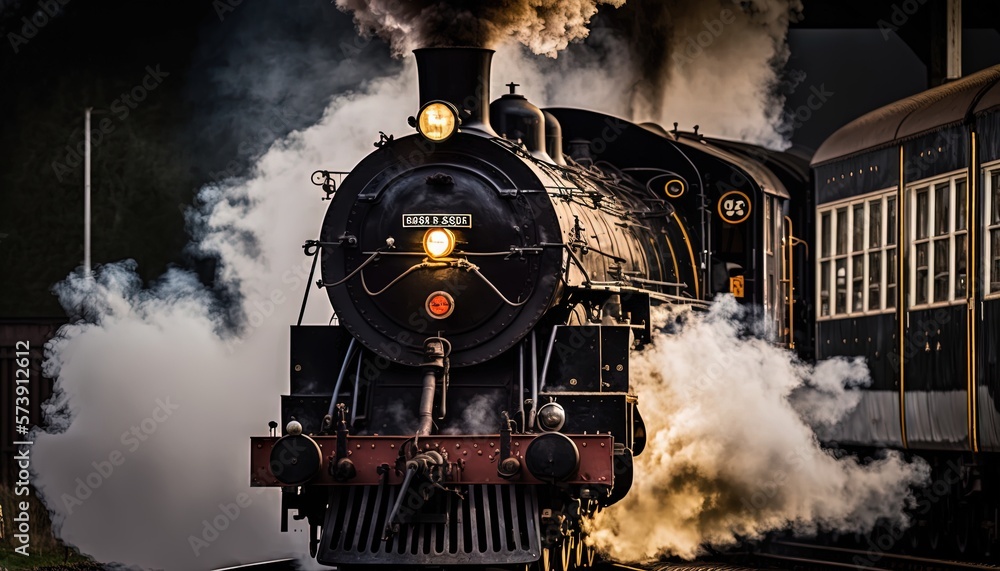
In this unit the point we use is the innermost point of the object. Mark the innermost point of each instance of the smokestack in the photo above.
(460, 76)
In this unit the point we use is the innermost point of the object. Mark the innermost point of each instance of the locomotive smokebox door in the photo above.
(590, 358)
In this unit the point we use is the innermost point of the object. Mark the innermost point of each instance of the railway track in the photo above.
(779, 555)
(273, 565)
(797, 555)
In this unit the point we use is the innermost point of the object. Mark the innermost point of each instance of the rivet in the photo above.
(480, 452)
(392, 446)
(465, 452)
(298, 368)
(358, 446)
(457, 446)
(491, 445)
(260, 446)
(373, 447)
(584, 444)
(602, 445)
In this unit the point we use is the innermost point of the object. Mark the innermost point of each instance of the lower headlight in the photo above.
(295, 459)
(552, 457)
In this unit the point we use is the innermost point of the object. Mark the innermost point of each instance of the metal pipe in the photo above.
(953, 39)
(548, 353)
(86, 192)
(427, 404)
(520, 383)
(357, 388)
(390, 524)
(534, 381)
(340, 377)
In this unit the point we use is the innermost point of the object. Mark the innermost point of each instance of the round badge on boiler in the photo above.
(440, 304)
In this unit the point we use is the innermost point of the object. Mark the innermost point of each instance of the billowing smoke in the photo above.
(147, 461)
(714, 63)
(732, 453)
(544, 27)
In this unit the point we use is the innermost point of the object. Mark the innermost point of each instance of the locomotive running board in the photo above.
(492, 523)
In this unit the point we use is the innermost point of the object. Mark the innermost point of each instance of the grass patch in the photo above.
(45, 551)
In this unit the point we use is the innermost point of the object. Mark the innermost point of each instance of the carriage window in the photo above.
(841, 286)
(921, 215)
(921, 282)
(825, 235)
(960, 205)
(892, 229)
(858, 242)
(841, 231)
(941, 203)
(874, 223)
(856, 245)
(824, 288)
(993, 239)
(961, 231)
(891, 270)
(940, 236)
(874, 280)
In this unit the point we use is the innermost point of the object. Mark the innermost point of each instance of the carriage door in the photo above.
(774, 268)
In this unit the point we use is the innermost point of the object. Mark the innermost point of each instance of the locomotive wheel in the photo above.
(965, 528)
(566, 554)
(589, 554)
(545, 561)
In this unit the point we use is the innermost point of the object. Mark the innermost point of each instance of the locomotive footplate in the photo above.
(471, 459)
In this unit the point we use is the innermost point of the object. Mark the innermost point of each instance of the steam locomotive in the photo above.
(473, 405)
(492, 272)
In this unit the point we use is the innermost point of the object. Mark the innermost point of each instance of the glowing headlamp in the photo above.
(439, 242)
(437, 121)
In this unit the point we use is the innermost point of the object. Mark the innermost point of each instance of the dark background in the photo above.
(195, 128)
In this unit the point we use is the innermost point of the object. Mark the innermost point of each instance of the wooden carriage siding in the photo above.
(37, 332)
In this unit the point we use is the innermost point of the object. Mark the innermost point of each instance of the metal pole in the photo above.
(86, 192)
(953, 68)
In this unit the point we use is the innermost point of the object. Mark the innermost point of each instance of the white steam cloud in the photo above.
(732, 453)
(165, 493)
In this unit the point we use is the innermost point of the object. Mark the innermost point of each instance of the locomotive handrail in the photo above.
(459, 263)
(476, 271)
(370, 259)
